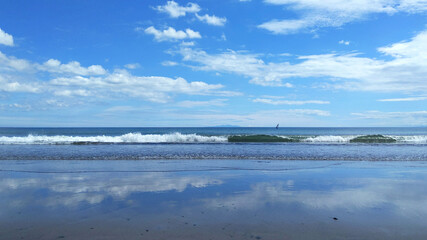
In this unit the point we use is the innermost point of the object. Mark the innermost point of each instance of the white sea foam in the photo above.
(180, 138)
(329, 139)
(411, 139)
(126, 138)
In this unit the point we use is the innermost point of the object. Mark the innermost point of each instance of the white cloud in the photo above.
(5, 38)
(386, 115)
(414, 118)
(288, 102)
(212, 20)
(169, 63)
(344, 42)
(151, 88)
(286, 117)
(68, 93)
(132, 66)
(175, 10)
(68, 80)
(214, 102)
(71, 191)
(335, 13)
(187, 44)
(404, 196)
(409, 99)
(14, 86)
(55, 66)
(233, 62)
(14, 64)
(170, 34)
(405, 72)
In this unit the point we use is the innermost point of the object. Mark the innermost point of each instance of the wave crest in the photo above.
(126, 138)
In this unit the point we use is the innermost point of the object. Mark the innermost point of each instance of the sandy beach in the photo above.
(212, 199)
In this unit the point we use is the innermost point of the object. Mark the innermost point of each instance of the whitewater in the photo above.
(139, 138)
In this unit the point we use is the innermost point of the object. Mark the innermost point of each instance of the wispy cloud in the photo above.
(409, 99)
(288, 102)
(385, 115)
(132, 66)
(286, 117)
(400, 118)
(405, 72)
(344, 42)
(191, 104)
(335, 13)
(169, 63)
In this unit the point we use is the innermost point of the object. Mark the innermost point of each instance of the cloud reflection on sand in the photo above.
(405, 197)
(69, 190)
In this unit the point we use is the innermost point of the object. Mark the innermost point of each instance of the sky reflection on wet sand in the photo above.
(213, 200)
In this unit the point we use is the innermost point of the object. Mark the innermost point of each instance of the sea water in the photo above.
(194, 183)
(377, 144)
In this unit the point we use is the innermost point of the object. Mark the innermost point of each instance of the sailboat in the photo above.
(277, 127)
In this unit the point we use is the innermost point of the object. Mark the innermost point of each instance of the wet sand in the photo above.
(212, 199)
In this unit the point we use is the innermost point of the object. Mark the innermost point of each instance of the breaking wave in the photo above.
(126, 138)
(138, 138)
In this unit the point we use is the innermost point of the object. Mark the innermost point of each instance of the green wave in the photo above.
(373, 139)
(259, 138)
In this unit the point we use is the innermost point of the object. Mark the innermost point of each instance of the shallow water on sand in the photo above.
(212, 199)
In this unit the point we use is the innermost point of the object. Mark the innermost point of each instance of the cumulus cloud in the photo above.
(55, 66)
(405, 72)
(212, 20)
(335, 13)
(14, 86)
(151, 88)
(10, 63)
(5, 38)
(72, 79)
(175, 10)
(170, 34)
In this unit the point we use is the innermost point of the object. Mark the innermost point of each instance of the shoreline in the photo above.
(185, 199)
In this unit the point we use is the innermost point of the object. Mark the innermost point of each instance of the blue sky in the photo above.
(148, 63)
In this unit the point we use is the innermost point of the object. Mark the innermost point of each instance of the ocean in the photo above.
(365, 144)
(213, 183)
